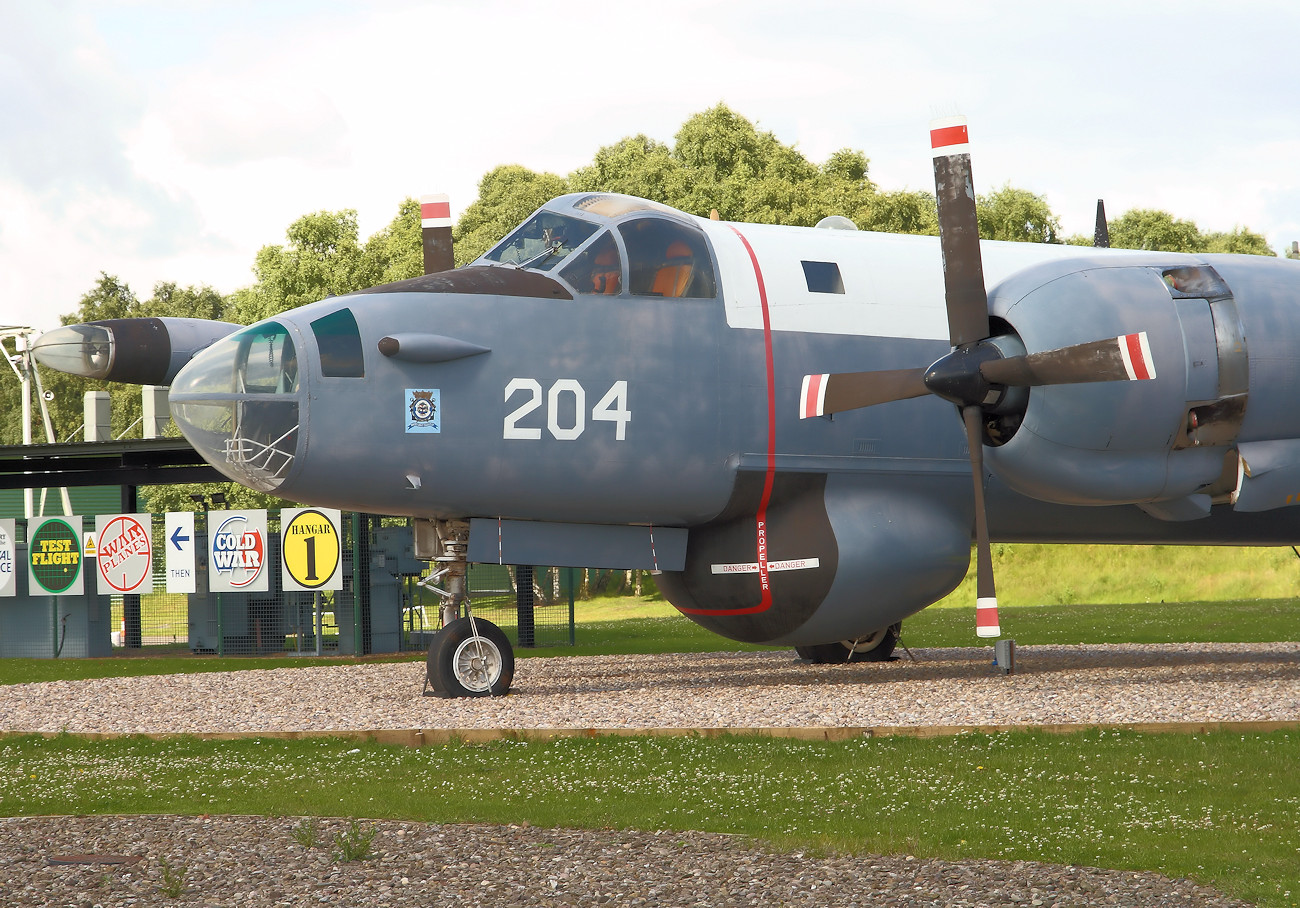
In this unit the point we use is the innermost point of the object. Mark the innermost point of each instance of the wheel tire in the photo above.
(877, 647)
(463, 665)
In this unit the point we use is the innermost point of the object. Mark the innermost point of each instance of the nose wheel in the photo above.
(470, 657)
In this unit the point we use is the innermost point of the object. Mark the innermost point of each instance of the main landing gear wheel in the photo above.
(471, 659)
(877, 647)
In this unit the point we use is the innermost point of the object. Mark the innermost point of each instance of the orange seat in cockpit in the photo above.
(674, 276)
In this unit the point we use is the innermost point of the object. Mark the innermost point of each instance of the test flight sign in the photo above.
(312, 548)
(124, 553)
(237, 551)
(54, 556)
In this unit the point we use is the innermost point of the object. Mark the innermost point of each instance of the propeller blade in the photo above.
(959, 236)
(1123, 358)
(986, 599)
(435, 233)
(1101, 235)
(830, 393)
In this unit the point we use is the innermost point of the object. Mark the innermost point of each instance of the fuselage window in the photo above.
(339, 341)
(544, 241)
(666, 258)
(823, 277)
(597, 269)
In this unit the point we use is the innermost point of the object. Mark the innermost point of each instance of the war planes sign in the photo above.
(124, 553)
(237, 551)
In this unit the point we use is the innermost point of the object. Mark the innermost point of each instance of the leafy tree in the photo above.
(1148, 228)
(903, 211)
(1016, 214)
(397, 252)
(506, 196)
(633, 166)
(1239, 240)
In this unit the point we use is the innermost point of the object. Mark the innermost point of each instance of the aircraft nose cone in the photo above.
(85, 350)
(238, 403)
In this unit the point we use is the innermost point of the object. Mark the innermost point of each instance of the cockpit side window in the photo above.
(597, 269)
(339, 341)
(667, 258)
(544, 241)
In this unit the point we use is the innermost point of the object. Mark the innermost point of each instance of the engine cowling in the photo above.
(1123, 442)
(847, 555)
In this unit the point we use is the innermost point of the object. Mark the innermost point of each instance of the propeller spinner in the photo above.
(976, 372)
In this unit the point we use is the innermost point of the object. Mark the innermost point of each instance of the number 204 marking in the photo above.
(610, 408)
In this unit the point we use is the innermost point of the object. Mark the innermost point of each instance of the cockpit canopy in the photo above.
(613, 245)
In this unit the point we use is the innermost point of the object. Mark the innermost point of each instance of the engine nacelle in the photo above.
(1125, 442)
(847, 555)
(141, 351)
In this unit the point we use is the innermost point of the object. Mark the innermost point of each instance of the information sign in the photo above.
(312, 548)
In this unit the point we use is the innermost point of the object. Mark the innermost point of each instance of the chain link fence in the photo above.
(382, 607)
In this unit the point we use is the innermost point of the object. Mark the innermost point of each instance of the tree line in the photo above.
(718, 161)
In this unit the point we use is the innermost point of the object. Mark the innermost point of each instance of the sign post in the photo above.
(179, 546)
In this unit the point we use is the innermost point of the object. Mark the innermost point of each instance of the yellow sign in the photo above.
(312, 549)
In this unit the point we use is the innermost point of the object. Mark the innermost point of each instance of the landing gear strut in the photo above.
(877, 647)
(468, 657)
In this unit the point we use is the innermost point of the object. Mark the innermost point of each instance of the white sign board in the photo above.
(124, 553)
(311, 547)
(8, 586)
(178, 543)
(237, 551)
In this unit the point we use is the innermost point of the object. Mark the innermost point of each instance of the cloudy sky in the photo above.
(167, 140)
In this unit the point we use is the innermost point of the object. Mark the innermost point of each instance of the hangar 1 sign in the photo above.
(312, 549)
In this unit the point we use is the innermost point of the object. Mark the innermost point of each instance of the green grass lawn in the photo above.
(1221, 808)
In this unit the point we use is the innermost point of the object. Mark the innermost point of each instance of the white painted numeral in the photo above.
(613, 408)
(579, 409)
(532, 385)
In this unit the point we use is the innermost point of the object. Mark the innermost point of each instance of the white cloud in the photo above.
(169, 141)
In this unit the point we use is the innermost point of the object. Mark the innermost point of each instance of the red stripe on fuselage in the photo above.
(765, 585)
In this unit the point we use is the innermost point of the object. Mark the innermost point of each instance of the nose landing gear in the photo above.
(468, 657)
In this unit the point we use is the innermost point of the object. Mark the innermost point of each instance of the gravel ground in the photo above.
(254, 861)
(1257, 682)
(245, 862)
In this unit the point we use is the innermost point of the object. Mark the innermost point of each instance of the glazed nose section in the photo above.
(238, 404)
(76, 349)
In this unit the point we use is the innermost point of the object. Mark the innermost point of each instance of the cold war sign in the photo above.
(124, 553)
(237, 551)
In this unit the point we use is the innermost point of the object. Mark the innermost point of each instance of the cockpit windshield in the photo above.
(542, 242)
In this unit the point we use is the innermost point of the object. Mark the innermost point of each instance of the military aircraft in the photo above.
(783, 422)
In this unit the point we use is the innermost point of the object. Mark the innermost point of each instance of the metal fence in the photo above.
(382, 607)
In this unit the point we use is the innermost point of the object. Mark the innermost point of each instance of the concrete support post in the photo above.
(156, 411)
(99, 416)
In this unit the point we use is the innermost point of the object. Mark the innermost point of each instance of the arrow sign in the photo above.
(180, 554)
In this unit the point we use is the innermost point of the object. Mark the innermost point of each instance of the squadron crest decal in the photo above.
(423, 410)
